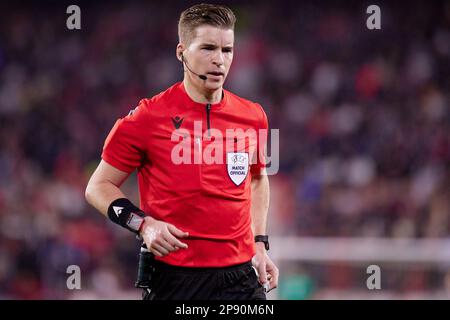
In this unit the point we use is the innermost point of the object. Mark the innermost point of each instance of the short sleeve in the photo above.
(126, 144)
(263, 130)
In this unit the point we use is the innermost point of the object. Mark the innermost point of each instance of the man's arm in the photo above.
(267, 270)
(104, 187)
(260, 203)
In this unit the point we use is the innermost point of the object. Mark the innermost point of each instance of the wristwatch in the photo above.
(263, 238)
(135, 221)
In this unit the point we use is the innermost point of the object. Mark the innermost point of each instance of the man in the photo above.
(205, 222)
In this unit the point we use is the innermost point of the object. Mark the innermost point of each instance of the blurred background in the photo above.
(364, 140)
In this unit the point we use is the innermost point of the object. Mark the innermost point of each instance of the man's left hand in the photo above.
(267, 271)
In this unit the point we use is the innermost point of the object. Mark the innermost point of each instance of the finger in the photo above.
(272, 285)
(276, 274)
(177, 232)
(273, 278)
(262, 273)
(160, 248)
(167, 245)
(175, 242)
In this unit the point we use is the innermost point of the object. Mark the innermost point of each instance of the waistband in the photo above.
(164, 266)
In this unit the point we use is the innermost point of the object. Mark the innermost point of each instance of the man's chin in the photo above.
(213, 85)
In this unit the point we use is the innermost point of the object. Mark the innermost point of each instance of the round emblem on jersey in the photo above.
(237, 166)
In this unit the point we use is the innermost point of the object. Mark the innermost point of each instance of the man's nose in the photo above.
(218, 58)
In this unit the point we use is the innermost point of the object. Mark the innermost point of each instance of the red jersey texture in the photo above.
(199, 198)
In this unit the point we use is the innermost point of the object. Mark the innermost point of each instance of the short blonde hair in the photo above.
(204, 14)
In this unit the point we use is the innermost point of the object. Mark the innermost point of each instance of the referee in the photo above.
(204, 222)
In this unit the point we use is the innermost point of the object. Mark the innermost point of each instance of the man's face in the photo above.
(210, 53)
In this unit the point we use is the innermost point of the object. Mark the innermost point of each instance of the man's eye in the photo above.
(208, 48)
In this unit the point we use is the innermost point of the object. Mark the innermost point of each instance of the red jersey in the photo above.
(164, 138)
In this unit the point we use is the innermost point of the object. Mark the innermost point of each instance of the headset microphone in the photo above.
(201, 76)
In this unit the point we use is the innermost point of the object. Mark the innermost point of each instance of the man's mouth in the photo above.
(216, 73)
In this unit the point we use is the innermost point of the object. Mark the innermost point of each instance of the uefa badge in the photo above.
(237, 166)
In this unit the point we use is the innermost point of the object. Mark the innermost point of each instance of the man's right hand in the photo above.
(161, 238)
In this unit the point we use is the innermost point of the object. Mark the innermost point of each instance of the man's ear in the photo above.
(179, 51)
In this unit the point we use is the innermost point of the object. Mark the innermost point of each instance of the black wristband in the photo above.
(126, 214)
(264, 239)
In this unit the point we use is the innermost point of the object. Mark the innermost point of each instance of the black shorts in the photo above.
(237, 282)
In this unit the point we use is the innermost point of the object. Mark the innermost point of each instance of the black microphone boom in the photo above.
(201, 76)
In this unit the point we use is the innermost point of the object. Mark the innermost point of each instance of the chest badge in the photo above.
(177, 121)
(237, 166)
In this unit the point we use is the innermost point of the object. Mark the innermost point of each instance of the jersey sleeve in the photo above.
(126, 144)
(260, 162)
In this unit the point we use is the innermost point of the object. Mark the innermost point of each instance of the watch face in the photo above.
(134, 221)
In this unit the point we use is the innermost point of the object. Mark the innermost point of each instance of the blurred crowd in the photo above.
(363, 116)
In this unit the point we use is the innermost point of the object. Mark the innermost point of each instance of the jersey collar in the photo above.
(192, 103)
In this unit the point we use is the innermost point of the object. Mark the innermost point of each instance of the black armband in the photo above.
(126, 214)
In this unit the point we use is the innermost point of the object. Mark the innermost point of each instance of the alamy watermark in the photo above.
(73, 22)
(374, 20)
(373, 282)
(236, 147)
(73, 281)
